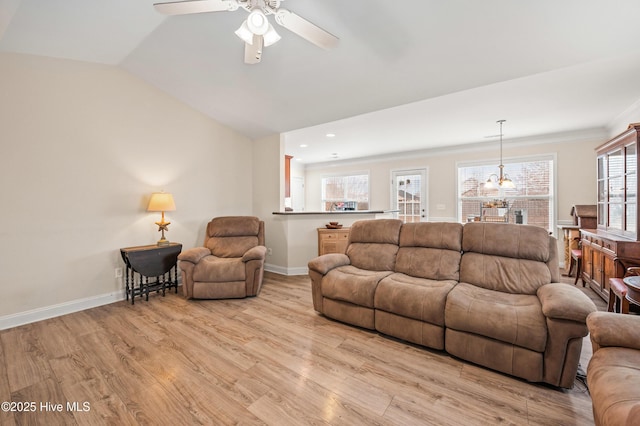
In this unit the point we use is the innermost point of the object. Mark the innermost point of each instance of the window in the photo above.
(531, 202)
(345, 192)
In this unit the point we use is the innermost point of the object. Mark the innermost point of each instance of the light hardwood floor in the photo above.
(265, 360)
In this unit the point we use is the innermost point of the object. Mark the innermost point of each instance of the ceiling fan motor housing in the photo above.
(268, 7)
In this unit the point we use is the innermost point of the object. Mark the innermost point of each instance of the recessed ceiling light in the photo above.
(331, 135)
(304, 145)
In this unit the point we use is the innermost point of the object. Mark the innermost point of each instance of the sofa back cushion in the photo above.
(373, 244)
(508, 257)
(233, 236)
(430, 250)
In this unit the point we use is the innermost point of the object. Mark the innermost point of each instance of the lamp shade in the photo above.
(271, 36)
(245, 33)
(257, 22)
(161, 202)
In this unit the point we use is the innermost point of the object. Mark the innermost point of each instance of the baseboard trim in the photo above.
(301, 270)
(34, 315)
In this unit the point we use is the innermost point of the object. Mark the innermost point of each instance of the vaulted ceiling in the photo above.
(405, 75)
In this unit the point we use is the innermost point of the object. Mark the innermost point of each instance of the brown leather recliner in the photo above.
(231, 263)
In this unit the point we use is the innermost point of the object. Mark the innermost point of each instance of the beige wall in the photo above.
(83, 145)
(268, 184)
(575, 176)
(575, 168)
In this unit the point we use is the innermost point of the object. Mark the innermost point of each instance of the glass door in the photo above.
(409, 194)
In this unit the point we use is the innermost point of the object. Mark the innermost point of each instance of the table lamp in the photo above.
(161, 202)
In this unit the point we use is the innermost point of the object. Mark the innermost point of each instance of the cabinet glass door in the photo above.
(616, 190)
(631, 205)
(602, 191)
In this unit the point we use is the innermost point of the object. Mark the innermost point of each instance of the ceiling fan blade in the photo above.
(306, 29)
(196, 6)
(253, 52)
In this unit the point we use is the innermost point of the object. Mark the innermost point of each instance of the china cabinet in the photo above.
(617, 176)
(608, 250)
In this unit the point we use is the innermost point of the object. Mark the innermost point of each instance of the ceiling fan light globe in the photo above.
(244, 33)
(257, 22)
(271, 36)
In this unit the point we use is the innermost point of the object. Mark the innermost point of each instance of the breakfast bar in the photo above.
(300, 232)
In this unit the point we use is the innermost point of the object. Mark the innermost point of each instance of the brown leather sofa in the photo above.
(231, 263)
(486, 293)
(613, 374)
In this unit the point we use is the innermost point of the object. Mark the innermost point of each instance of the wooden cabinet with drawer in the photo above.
(604, 256)
(332, 240)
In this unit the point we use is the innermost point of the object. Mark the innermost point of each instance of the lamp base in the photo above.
(163, 226)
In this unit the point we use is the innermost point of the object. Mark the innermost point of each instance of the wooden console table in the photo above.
(332, 240)
(150, 268)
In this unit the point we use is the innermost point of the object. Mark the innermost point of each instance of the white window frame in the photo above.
(367, 173)
(553, 196)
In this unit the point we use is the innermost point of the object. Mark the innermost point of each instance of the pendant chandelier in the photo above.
(502, 180)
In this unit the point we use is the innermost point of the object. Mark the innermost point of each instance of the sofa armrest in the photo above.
(611, 329)
(255, 253)
(194, 254)
(566, 302)
(326, 262)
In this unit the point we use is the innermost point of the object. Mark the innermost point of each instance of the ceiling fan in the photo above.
(256, 31)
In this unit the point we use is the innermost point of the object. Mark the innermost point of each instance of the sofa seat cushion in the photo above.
(219, 269)
(353, 285)
(516, 319)
(417, 298)
(613, 376)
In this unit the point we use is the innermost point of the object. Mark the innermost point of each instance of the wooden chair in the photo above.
(576, 261)
(618, 291)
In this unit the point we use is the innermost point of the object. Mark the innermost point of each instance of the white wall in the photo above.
(297, 176)
(575, 167)
(83, 146)
(268, 183)
(626, 117)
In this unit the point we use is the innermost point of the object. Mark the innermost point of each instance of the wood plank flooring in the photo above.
(268, 360)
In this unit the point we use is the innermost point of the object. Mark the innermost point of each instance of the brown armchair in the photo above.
(231, 263)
